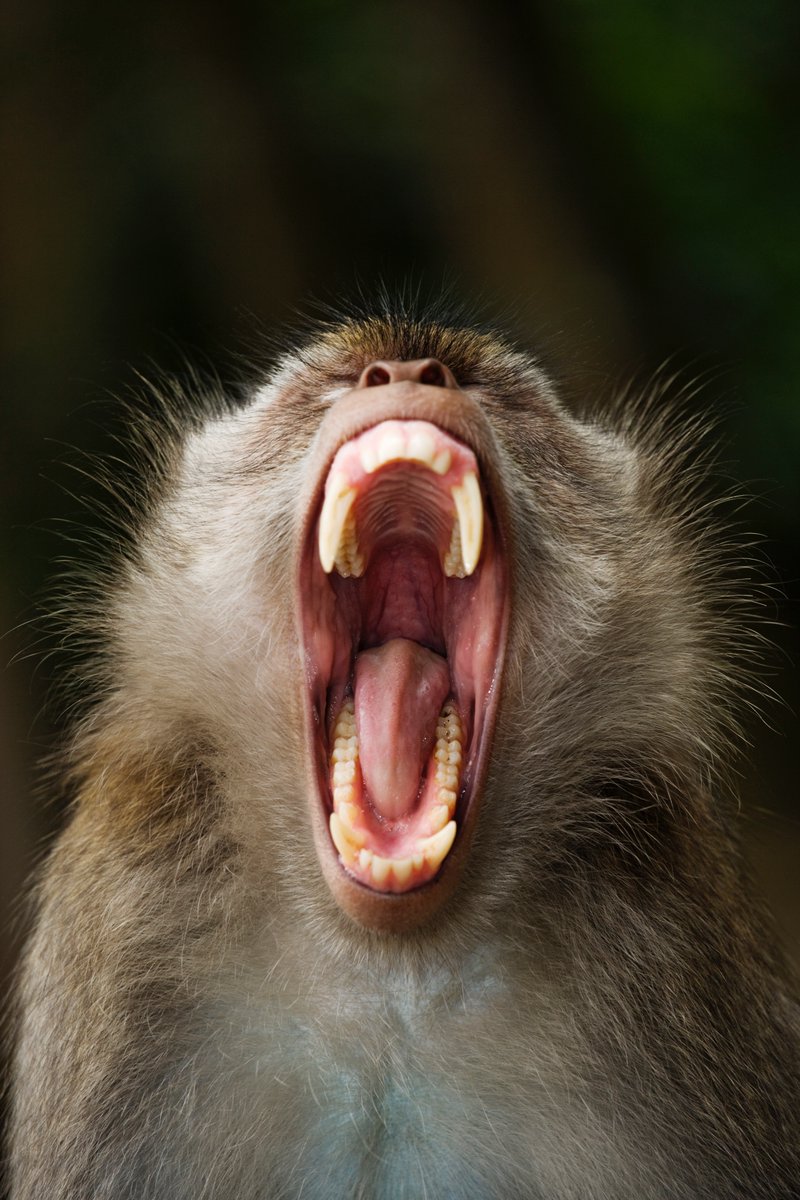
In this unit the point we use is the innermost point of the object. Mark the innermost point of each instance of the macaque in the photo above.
(402, 861)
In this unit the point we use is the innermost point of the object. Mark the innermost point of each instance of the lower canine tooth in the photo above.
(347, 814)
(435, 848)
(341, 841)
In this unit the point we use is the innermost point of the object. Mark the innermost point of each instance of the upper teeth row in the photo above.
(392, 446)
(338, 542)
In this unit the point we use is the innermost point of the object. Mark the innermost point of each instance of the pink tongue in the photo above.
(400, 688)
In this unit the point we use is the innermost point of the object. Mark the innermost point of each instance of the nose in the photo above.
(420, 370)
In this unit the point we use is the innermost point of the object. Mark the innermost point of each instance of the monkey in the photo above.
(403, 857)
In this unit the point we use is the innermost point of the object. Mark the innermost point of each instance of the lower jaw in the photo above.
(388, 913)
(395, 852)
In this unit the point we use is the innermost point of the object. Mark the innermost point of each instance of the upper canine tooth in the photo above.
(469, 509)
(339, 497)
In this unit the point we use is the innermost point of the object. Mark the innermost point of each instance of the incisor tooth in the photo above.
(442, 461)
(469, 509)
(380, 868)
(335, 509)
(369, 456)
(402, 869)
(421, 447)
(391, 446)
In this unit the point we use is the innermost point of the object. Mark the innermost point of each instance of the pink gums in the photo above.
(347, 460)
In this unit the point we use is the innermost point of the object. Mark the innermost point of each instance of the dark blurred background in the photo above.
(623, 176)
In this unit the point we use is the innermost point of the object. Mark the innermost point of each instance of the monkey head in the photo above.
(431, 626)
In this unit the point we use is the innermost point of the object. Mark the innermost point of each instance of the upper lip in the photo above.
(457, 412)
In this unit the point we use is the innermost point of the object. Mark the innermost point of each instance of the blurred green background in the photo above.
(624, 176)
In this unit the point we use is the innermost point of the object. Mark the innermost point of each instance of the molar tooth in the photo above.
(343, 723)
(435, 848)
(453, 562)
(349, 560)
(344, 772)
(346, 719)
(469, 508)
(336, 507)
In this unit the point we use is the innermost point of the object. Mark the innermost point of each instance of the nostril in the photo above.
(427, 371)
(433, 374)
(376, 376)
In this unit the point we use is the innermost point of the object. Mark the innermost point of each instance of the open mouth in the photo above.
(402, 593)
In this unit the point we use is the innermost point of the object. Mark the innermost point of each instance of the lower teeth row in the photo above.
(347, 832)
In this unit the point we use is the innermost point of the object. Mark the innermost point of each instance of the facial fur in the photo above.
(582, 1002)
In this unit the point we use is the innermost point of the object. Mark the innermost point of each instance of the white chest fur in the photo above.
(437, 1083)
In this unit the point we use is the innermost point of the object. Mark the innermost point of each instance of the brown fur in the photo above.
(596, 1014)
